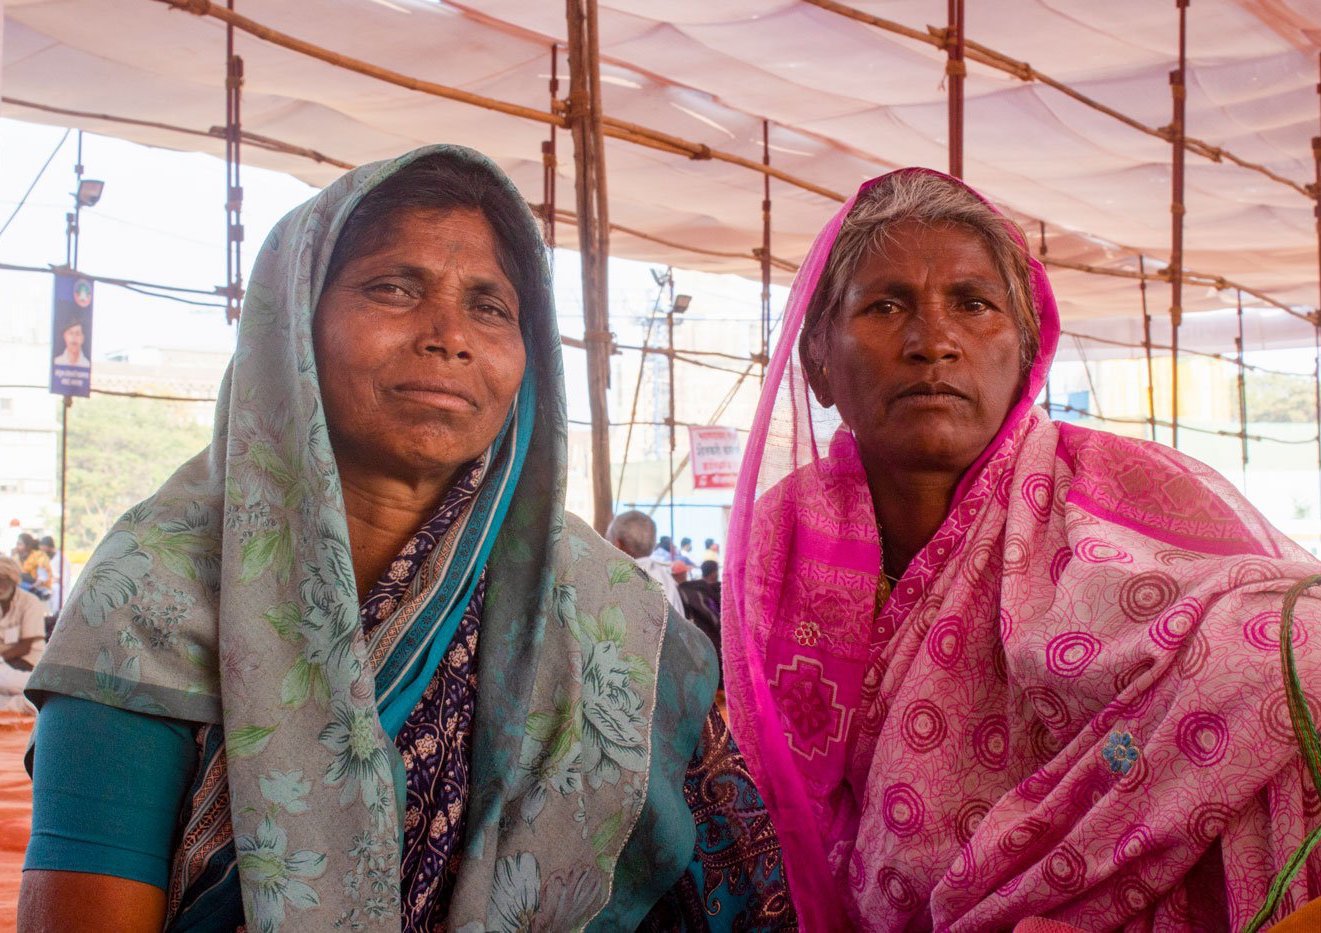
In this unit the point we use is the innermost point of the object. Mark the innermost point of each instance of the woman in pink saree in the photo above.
(986, 666)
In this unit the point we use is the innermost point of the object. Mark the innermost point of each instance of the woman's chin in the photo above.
(931, 453)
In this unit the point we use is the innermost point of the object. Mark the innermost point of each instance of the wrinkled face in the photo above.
(74, 338)
(418, 347)
(923, 357)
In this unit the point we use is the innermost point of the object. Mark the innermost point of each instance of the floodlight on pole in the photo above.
(89, 192)
(681, 303)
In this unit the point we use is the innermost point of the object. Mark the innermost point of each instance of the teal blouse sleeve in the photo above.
(107, 788)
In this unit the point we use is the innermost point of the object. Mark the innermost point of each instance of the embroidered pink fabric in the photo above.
(1070, 708)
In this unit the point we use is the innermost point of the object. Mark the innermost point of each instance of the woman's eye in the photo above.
(885, 306)
(494, 309)
(976, 305)
(388, 290)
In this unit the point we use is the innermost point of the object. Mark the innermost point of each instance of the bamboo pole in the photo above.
(1242, 392)
(1316, 339)
(1316, 315)
(765, 256)
(955, 70)
(584, 119)
(233, 182)
(216, 132)
(935, 37)
(1179, 94)
(1146, 345)
(549, 156)
(1189, 277)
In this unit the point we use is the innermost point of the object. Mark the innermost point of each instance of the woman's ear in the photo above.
(818, 379)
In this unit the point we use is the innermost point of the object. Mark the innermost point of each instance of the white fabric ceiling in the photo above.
(845, 101)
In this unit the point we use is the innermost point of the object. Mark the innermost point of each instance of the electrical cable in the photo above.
(42, 171)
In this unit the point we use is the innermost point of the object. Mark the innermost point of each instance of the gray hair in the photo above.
(928, 199)
(633, 532)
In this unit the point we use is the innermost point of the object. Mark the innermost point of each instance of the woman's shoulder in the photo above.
(1156, 489)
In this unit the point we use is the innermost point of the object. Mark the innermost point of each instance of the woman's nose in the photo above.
(928, 337)
(444, 329)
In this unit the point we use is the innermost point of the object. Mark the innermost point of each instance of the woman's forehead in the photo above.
(942, 252)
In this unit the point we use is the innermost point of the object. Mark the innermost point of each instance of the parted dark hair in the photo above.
(446, 181)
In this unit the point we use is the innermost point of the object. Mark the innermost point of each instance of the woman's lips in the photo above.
(932, 399)
(439, 396)
(931, 395)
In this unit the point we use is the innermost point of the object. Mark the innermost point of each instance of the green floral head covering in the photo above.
(229, 597)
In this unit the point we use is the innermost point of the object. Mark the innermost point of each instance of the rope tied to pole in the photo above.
(1305, 729)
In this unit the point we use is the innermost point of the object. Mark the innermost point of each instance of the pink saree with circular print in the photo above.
(1070, 705)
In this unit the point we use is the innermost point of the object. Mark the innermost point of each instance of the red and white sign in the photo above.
(715, 457)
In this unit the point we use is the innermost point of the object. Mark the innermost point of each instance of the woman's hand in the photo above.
(75, 902)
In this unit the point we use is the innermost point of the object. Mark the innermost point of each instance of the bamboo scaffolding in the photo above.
(956, 47)
(616, 129)
(1212, 432)
(1316, 317)
(1203, 354)
(1179, 96)
(983, 55)
(233, 184)
(549, 155)
(955, 70)
(764, 256)
(1243, 391)
(584, 121)
(640, 135)
(215, 132)
(1146, 345)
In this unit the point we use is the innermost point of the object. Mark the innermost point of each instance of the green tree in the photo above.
(1283, 399)
(120, 451)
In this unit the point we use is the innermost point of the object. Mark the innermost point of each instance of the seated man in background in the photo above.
(22, 635)
(701, 602)
(34, 565)
(56, 558)
(709, 585)
(634, 533)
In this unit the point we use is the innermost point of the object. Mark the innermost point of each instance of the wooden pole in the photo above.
(1146, 345)
(1041, 224)
(955, 70)
(64, 497)
(1179, 93)
(549, 159)
(1316, 315)
(1316, 343)
(765, 251)
(233, 185)
(1242, 394)
(670, 420)
(584, 119)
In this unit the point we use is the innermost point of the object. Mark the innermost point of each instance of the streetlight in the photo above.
(678, 305)
(87, 194)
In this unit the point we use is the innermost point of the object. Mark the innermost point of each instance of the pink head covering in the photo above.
(784, 437)
(953, 753)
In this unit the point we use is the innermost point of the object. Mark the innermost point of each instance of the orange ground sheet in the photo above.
(15, 811)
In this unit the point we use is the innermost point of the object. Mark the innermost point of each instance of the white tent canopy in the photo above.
(844, 101)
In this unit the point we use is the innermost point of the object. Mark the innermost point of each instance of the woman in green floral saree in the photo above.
(353, 666)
